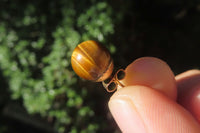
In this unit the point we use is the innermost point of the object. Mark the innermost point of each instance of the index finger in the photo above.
(189, 91)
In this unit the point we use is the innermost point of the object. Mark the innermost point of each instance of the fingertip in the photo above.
(189, 91)
(124, 111)
(183, 76)
(145, 110)
(151, 72)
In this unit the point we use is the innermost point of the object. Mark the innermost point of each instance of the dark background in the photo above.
(167, 29)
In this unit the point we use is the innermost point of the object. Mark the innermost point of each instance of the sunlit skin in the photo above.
(189, 91)
(146, 71)
(156, 101)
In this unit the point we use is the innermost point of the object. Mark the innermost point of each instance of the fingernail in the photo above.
(126, 115)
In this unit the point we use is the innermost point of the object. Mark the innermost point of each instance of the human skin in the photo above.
(155, 101)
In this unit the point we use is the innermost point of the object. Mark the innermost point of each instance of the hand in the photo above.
(154, 101)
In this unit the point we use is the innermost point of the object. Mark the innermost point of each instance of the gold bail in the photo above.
(113, 83)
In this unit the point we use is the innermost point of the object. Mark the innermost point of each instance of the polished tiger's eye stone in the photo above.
(92, 61)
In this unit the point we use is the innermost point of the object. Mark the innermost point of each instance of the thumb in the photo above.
(140, 109)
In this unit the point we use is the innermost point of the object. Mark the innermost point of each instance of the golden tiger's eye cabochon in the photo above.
(91, 61)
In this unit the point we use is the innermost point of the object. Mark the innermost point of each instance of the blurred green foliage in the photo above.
(38, 37)
(36, 42)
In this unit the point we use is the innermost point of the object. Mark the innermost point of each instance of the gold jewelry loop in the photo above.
(119, 75)
(109, 84)
(114, 82)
